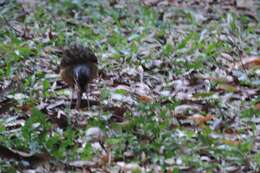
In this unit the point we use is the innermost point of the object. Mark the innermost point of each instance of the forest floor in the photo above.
(177, 90)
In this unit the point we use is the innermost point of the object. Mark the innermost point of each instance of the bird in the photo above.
(78, 67)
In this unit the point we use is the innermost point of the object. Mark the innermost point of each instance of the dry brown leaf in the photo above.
(249, 62)
(25, 107)
(200, 119)
(257, 106)
(145, 99)
(230, 131)
(252, 61)
(104, 159)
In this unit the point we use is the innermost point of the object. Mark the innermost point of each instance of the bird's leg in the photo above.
(87, 88)
(79, 95)
(71, 97)
(102, 146)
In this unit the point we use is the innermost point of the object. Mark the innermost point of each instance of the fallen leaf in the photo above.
(145, 99)
(104, 159)
(227, 56)
(227, 87)
(84, 163)
(230, 142)
(230, 131)
(248, 62)
(25, 107)
(18, 96)
(94, 134)
(200, 119)
(150, 2)
(141, 89)
(257, 106)
(129, 167)
(14, 123)
(182, 109)
(56, 104)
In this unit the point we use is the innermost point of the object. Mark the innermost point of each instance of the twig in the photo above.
(10, 26)
(243, 66)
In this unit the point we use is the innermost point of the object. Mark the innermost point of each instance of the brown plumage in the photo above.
(77, 68)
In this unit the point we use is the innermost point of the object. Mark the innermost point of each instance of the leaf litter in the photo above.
(176, 78)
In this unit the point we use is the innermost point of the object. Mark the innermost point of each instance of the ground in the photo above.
(177, 89)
